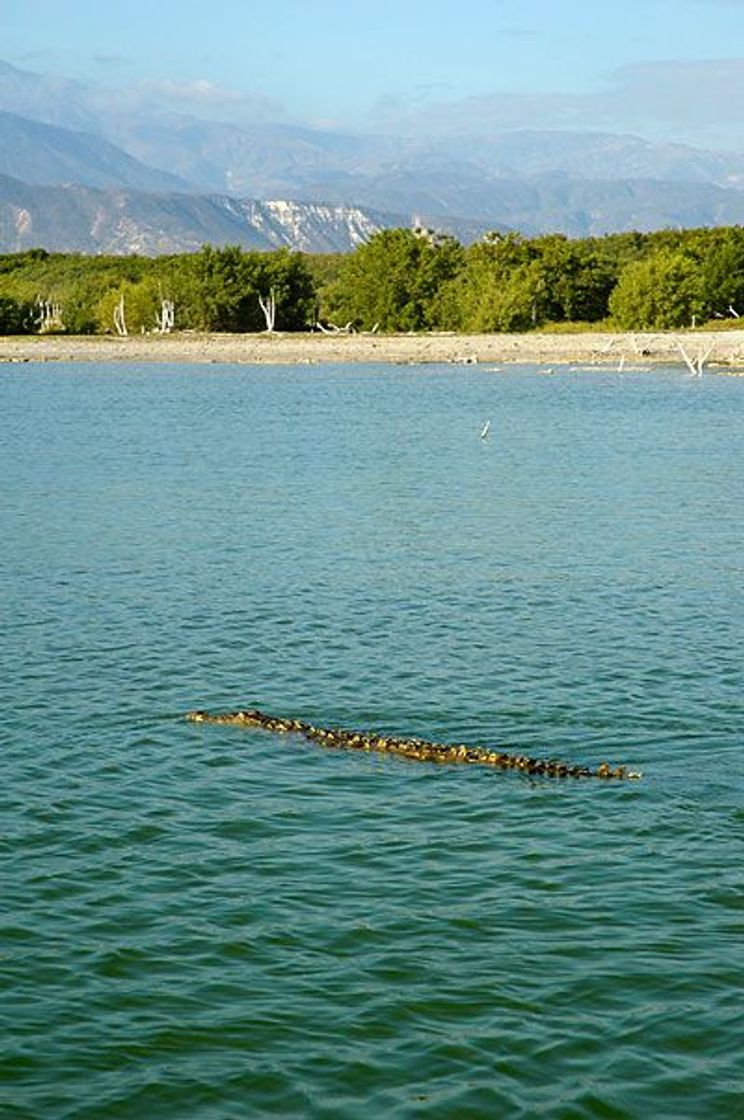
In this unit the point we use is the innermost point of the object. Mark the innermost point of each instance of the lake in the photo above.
(212, 922)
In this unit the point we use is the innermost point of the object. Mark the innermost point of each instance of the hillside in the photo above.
(86, 220)
(135, 175)
(46, 154)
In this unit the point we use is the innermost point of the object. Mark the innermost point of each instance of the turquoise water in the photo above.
(208, 922)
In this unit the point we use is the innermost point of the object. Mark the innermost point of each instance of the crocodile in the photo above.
(419, 749)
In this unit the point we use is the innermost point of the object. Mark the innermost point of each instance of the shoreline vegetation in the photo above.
(717, 351)
(625, 301)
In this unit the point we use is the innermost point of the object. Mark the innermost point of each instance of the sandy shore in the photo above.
(724, 349)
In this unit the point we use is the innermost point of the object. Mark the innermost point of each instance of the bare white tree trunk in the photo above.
(166, 320)
(48, 315)
(120, 322)
(268, 306)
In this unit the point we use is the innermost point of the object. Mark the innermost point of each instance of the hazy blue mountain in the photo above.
(47, 97)
(594, 155)
(330, 186)
(277, 159)
(589, 207)
(262, 158)
(44, 153)
(555, 203)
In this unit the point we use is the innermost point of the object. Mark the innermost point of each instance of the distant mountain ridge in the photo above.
(132, 175)
(88, 220)
(46, 154)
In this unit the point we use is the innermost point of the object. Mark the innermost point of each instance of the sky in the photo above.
(664, 69)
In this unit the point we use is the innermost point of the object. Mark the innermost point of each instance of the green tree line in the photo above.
(216, 289)
(399, 280)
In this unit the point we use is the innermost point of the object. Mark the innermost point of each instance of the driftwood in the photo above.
(695, 365)
(333, 328)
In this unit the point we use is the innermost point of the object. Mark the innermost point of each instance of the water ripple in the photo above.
(209, 922)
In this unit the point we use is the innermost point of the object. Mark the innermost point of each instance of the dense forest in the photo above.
(400, 280)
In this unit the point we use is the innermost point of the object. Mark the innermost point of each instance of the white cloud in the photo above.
(206, 99)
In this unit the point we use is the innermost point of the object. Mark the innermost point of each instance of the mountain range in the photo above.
(77, 218)
(94, 170)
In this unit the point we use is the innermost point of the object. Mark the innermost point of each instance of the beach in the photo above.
(721, 350)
